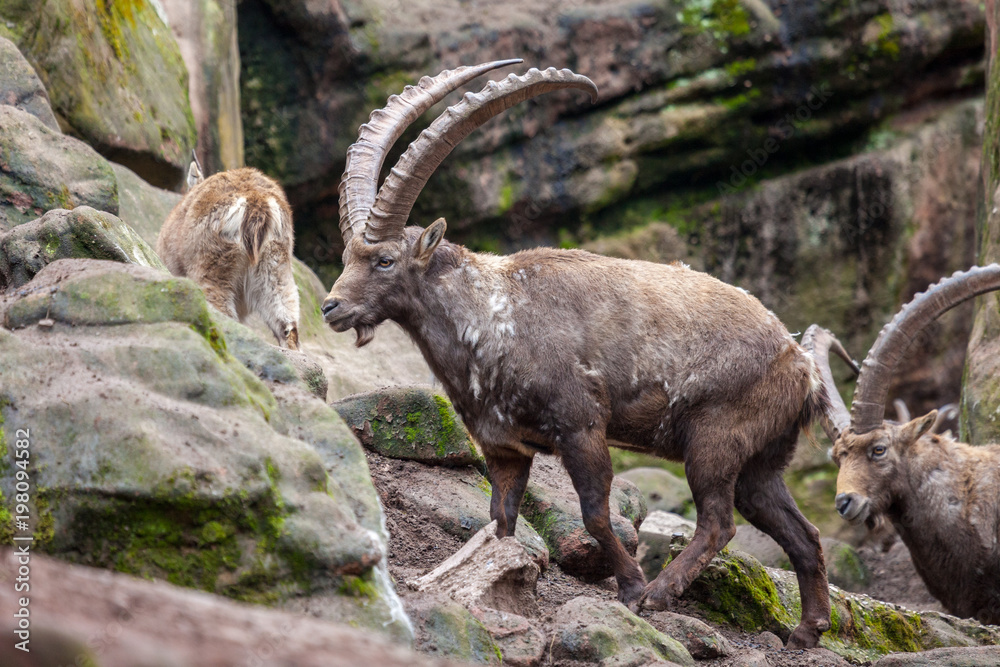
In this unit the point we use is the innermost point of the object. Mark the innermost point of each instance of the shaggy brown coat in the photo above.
(232, 234)
(942, 497)
(565, 352)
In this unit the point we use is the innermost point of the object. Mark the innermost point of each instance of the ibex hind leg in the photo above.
(764, 500)
(588, 462)
(273, 295)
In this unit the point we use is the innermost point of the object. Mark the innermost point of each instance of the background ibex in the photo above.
(942, 496)
(232, 234)
(564, 352)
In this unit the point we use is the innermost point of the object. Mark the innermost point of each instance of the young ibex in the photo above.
(232, 234)
(941, 496)
(565, 352)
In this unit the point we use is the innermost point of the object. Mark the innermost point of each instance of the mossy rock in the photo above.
(592, 631)
(447, 628)
(410, 423)
(114, 73)
(42, 169)
(157, 452)
(82, 233)
(736, 590)
(20, 87)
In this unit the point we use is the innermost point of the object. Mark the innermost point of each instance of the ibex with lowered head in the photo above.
(565, 352)
(941, 496)
(232, 234)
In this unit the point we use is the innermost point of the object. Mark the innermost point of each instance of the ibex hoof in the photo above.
(804, 637)
(656, 597)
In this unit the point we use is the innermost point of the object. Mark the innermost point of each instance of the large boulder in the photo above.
(82, 615)
(156, 452)
(42, 169)
(20, 86)
(115, 77)
(82, 233)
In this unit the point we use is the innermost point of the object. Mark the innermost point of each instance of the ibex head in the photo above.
(867, 447)
(385, 261)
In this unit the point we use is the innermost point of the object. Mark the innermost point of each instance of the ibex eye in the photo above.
(385, 262)
(878, 450)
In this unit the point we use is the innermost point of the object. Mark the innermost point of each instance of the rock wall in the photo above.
(981, 398)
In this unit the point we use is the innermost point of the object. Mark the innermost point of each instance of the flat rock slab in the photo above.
(114, 620)
(457, 500)
(20, 86)
(552, 506)
(487, 572)
(409, 423)
(83, 233)
(592, 630)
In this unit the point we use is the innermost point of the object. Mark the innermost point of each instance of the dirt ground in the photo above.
(416, 546)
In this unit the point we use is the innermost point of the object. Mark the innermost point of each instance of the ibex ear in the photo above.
(912, 430)
(429, 240)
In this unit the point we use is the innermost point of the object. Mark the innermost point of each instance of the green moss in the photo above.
(738, 68)
(6, 522)
(737, 590)
(722, 20)
(359, 587)
(887, 42)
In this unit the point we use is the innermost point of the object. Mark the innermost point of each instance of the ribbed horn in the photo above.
(422, 157)
(359, 184)
(868, 407)
(818, 342)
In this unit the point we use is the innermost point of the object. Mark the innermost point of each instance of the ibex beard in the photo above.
(566, 352)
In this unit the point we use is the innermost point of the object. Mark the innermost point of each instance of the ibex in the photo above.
(565, 352)
(941, 496)
(232, 234)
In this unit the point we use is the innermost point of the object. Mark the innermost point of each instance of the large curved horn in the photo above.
(818, 342)
(868, 407)
(359, 183)
(422, 157)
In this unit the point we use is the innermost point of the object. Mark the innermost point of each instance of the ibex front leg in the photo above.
(508, 476)
(588, 463)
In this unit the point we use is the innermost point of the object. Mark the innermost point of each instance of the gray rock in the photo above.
(701, 641)
(142, 206)
(410, 423)
(20, 86)
(663, 490)
(42, 169)
(82, 233)
(520, 641)
(446, 628)
(979, 656)
(159, 454)
(656, 535)
(91, 616)
(592, 630)
(553, 508)
(487, 572)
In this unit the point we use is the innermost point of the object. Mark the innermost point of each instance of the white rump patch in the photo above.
(276, 217)
(229, 224)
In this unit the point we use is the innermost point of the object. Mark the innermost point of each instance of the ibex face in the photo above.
(378, 280)
(870, 467)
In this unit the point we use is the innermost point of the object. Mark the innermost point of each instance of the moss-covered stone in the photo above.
(42, 169)
(20, 86)
(447, 628)
(59, 234)
(592, 631)
(410, 423)
(114, 73)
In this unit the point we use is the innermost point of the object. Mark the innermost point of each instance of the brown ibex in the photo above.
(941, 496)
(565, 352)
(232, 234)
